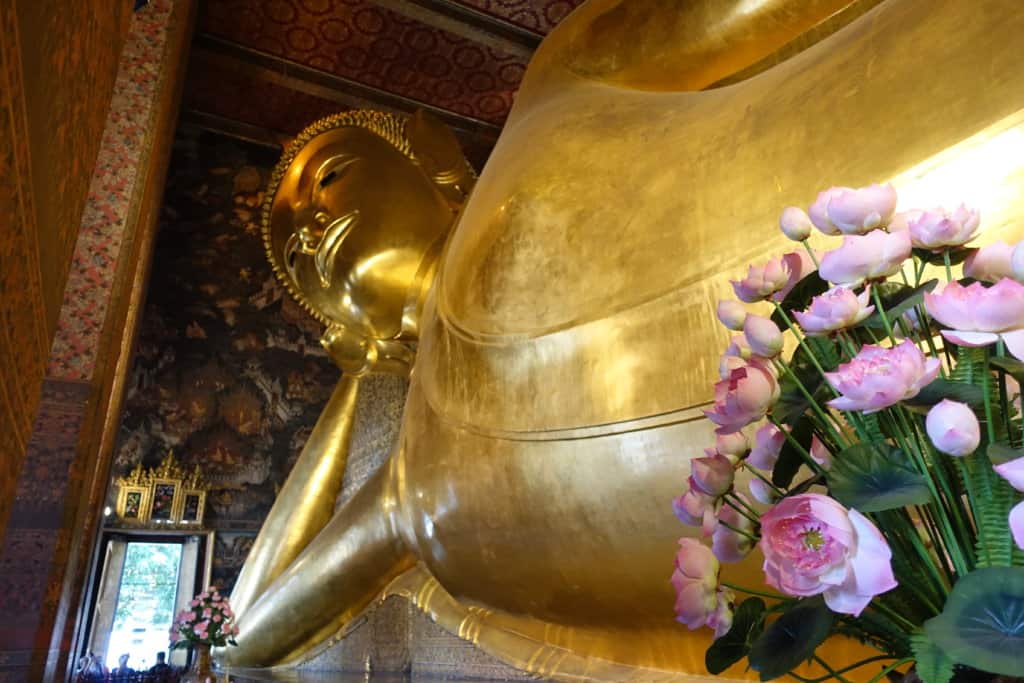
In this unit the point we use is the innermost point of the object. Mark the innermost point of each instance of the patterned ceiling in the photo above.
(280, 64)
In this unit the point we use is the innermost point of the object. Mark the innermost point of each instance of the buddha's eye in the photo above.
(337, 171)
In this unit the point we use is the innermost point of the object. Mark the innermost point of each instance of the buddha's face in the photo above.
(357, 225)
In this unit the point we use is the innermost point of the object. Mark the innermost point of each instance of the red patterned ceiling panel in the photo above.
(539, 16)
(365, 43)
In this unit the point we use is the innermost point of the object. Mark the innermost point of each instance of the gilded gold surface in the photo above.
(569, 334)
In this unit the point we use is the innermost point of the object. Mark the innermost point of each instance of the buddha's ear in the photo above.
(439, 155)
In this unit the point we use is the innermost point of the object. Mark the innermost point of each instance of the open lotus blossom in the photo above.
(813, 545)
(991, 263)
(699, 602)
(878, 377)
(1013, 472)
(953, 428)
(876, 255)
(728, 544)
(938, 228)
(743, 397)
(731, 314)
(979, 316)
(773, 279)
(768, 443)
(763, 336)
(853, 212)
(795, 223)
(836, 309)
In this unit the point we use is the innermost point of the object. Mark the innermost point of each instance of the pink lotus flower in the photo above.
(731, 444)
(795, 224)
(991, 263)
(836, 309)
(813, 545)
(216, 618)
(767, 445)
(763, 335)
(698, 509)
(981, 316)
(879, 377)
(728, 545)
(953, 428)
(873, 256)
(1013, 472)
(853, 212)
(711, 476)
(773, 279)
(938, 229)
(695, 579)
(731, 314)
(820, 454)
(745, 396)
(761, 492)
(207, 612)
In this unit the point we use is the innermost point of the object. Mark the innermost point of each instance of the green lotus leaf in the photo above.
(982, 623)
(791, 639)
(747, 624)
(872, 477)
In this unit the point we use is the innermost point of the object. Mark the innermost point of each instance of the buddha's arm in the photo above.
(306, 502)
(672, 44)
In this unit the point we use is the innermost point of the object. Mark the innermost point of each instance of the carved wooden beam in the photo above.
(301, 78)
(469, 23)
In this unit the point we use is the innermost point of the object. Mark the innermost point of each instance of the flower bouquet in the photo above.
(208, 622)
(883, 449)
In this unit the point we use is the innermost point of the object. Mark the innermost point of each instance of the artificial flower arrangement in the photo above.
(884, 454)
(208, 621)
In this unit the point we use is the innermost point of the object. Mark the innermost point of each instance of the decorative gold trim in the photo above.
(146, 482)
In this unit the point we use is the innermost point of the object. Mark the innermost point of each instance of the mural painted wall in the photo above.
(228, 370)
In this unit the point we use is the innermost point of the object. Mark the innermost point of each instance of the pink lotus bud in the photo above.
(820, 454)
(731, 314)
(1017, 262)
(763, 335)
(1013, 472)
(731, 444)
(876, 255)
(773, 279)
(728, 545)
(761, 492)
(953, 428)
(991, 263)
(767, 445)
(695, 579)
(712, 475)
(721, 619)
(855, 212)
(795, 224)
(938, 228)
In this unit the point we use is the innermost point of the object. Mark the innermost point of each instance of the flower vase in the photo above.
(201, 670)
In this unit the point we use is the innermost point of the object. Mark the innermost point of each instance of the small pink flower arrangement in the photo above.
(208, 621)
(881, 462)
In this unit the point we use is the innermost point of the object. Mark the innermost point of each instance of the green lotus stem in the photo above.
(835, 674)
(892, 614)
(892, 667)
(808, 460)
(945, 260)
(775, 489)
(1004, 399)
(756, 515)
(881, 314)
(732, 504)
(741, 532)
(990, 428)
(827, 426)
(800, 340)
(810, 252)
(845, 669)
(751, 591)
(922, 318)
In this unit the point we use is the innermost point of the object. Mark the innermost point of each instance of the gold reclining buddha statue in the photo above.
(559, 325)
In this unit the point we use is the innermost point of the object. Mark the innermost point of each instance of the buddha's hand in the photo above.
(358, 355)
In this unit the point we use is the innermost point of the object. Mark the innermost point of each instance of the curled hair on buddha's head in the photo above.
(423, 139)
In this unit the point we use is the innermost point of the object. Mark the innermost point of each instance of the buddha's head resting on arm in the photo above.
(354, 221)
